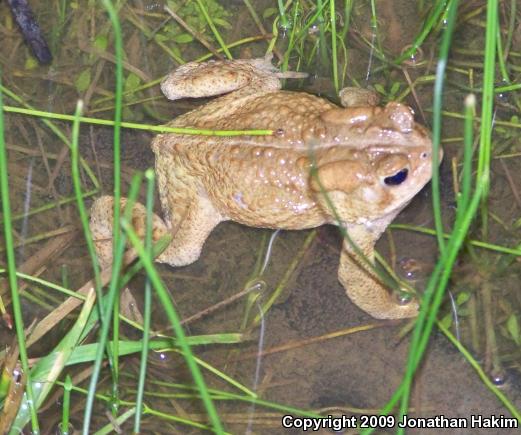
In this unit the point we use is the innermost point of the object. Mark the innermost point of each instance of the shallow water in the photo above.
(357, 370)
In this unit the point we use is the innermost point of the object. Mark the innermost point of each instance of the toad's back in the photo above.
(294, 117)
(269, 165)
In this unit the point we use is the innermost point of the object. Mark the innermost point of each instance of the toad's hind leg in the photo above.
(189, 230)
(191, 225)
(362, 284)
(217, 77)
(102, 223)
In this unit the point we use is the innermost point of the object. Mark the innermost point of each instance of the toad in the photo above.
(356, 167)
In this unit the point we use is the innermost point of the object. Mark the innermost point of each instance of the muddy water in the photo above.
(356, 370)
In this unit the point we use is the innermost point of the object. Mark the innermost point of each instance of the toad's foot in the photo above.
(217, 77)
(362, 284)
(102, 223)
(189, 234)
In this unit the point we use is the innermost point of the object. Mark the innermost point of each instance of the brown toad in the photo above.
(370, 161)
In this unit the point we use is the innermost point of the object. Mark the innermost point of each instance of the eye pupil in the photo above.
(396, 179)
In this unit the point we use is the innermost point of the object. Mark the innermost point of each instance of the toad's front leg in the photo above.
(362, 284)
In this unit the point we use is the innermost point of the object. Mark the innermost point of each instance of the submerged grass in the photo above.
(147, 305)
(295, 21)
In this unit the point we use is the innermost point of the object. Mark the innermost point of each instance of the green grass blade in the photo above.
(322, 42)
(116, 235)
(481, 373)
(174, 320)
(87, 352)
(334, 54)
(432, 20)
(66, 406)
(47, 370)
(466, 179)
(440, 278)
(109, 427)
(214, 29)
(487, 106)
(76, 182)
(147, 310)
(436, 120)
(284, 22)
(52, 127)
(136, 126)
(11, 267)
(112, 294)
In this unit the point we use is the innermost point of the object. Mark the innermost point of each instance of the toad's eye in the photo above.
(396, 179)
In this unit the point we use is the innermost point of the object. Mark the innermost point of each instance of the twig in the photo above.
(221, 304)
